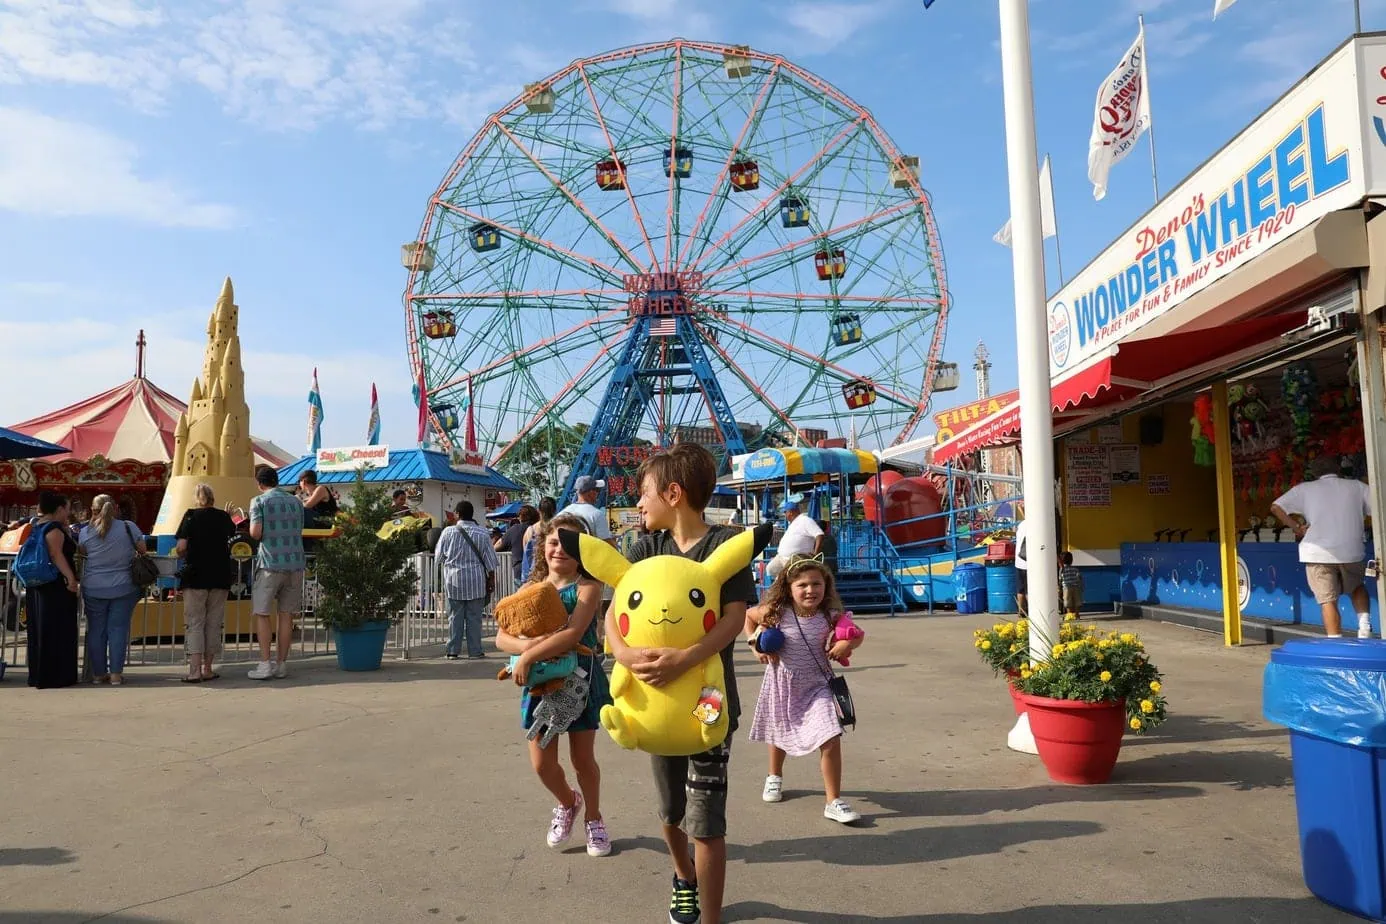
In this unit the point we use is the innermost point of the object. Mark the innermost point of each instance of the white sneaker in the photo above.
(773, 791)
(838, 810)
(281, 669)
(1364, 627)
(262, 671)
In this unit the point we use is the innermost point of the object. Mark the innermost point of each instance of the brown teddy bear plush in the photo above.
(533, 611)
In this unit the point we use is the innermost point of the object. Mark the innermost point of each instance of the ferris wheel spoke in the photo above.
(794, 302)
(719, 184)
(577, 203)
(831, 234)
(611, 146)
(671, 221)
(749, 381)
(571, 339)
(814, 164)
(566, 394)
(593, 267)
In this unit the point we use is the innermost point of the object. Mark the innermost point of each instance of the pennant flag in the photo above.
(1047, 222)
(1220, 6)
(471, 419)
(373, 426)
(1120, 117)
(315, 416)
(422, 390)
(929, 3)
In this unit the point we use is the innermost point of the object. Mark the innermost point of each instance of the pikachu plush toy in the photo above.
(667, 601)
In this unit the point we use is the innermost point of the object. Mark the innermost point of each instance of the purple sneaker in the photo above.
(598, 841)
(561, 828)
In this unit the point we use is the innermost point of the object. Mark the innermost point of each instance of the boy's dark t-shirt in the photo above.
(208, 531)
(740, 587)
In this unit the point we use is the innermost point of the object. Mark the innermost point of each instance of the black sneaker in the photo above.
(683, 903)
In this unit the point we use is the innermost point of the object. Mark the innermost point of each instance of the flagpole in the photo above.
(1357, 14)
(1149, 129)
(1032, 340)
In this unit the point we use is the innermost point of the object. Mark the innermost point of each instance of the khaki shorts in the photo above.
(204, 616)
(284, 588)
(693, 791)
(1329, 582)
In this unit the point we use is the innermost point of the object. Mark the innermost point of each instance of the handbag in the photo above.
(143, 570)
(837, 685)
(490, 575)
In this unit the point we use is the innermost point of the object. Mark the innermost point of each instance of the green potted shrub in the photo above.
(365, 581)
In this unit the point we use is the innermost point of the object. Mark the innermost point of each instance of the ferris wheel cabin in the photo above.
(904, 173)
(745, 175)
(858, 394)
(539, 97)
(446, 415)
(611, 174)
(484, 237)
(846, 329)
(679, 161)
(830, 264)
(736, 61)
(794, 212)
(439, 325)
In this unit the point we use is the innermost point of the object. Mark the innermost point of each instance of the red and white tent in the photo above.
(135, 420)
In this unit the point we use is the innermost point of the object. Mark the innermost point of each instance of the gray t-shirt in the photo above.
(740, 587)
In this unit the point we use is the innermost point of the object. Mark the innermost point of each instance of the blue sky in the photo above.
(149, 149)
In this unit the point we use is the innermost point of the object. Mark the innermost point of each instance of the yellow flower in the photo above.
(986, 644)
(1069, 617)
(1147, 706)
(1099, 657)
(977, 643)
(1105, 643)
(1058, 649)
(1127, 637)
(1155, 686)
(1026, 675)
(1014, 649)
(1136, 724)
(1105, 676)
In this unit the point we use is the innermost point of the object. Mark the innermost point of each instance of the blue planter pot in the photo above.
(361, 649)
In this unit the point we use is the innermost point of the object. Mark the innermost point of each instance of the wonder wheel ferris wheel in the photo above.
(677, 241)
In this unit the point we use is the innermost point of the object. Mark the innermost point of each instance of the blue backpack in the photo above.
(33, 566)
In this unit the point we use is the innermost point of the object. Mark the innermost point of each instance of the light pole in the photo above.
(1032, 336)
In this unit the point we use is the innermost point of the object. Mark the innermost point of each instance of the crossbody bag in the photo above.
(837, 684)
(490, 575)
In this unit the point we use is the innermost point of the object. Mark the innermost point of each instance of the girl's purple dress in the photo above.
(796, 712)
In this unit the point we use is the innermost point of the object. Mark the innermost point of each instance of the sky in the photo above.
(147, 150)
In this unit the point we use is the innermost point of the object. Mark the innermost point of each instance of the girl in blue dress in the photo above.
(582, 599)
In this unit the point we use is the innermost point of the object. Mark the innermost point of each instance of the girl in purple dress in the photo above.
(796, 714)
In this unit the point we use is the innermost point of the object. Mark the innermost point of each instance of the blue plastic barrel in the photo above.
(971, 582)
(1331, 694)
(1001, 587)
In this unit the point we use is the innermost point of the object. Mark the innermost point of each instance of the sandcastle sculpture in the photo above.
(212, 442)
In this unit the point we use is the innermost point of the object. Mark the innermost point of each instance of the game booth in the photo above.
(1203, 361)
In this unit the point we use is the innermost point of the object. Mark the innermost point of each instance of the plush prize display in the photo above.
(534, 611)
(667, 601)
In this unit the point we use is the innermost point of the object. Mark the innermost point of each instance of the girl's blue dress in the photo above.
(598, 694)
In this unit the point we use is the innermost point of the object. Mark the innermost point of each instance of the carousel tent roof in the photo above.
(135, 420)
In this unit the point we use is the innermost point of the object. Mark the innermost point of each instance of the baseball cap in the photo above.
(587, 483)
(789, 505)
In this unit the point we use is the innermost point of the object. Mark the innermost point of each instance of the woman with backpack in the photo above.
(50, 595)
(109, 593)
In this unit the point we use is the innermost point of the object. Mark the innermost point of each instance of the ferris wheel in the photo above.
(676, 241)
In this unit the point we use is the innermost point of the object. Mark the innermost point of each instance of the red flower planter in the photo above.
(1078, 742)
(1011, 678)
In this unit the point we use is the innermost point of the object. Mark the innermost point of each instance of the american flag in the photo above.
(664, 327)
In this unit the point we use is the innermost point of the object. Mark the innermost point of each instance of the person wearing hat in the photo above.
(586, 489)
(1331, 547)
(802, 536)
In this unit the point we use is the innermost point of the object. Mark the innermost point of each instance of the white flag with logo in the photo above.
(1047, 223)
(1121, 116)
(1220, 5)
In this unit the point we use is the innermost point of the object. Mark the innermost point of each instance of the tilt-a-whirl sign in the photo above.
(1301, 160)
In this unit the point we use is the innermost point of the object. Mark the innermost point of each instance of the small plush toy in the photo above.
(844, 631)
(534, 611)
(667, 601)
(1201, 425)
(1300, 387)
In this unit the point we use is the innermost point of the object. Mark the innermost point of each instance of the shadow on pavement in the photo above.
(36, 856)
(944, 803)
(1200, 911)
(72, 917)
(1193, 729)
(1246, 770)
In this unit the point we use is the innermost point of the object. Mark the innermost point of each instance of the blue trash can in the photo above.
(1001, 587)
(970, 579)
(1331, 694)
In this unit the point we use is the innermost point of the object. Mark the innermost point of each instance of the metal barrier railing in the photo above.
(156, 627)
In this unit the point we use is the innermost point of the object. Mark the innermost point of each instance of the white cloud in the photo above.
(663, 19)
(56, 168)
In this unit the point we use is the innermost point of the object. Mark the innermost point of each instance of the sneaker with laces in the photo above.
(683, 903)
(262, 671)
(1364, 627)
(839, 811)
(281, 669)
(774, 789)
(561, 828)
(598, 841)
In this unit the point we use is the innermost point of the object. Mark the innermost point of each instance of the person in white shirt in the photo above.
(1022, 567)
(1331, 544)
(585, 508)
(802, 536)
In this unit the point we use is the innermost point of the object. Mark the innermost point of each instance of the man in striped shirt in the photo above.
(469, 564)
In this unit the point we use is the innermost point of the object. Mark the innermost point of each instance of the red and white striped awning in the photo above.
(135, 420)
